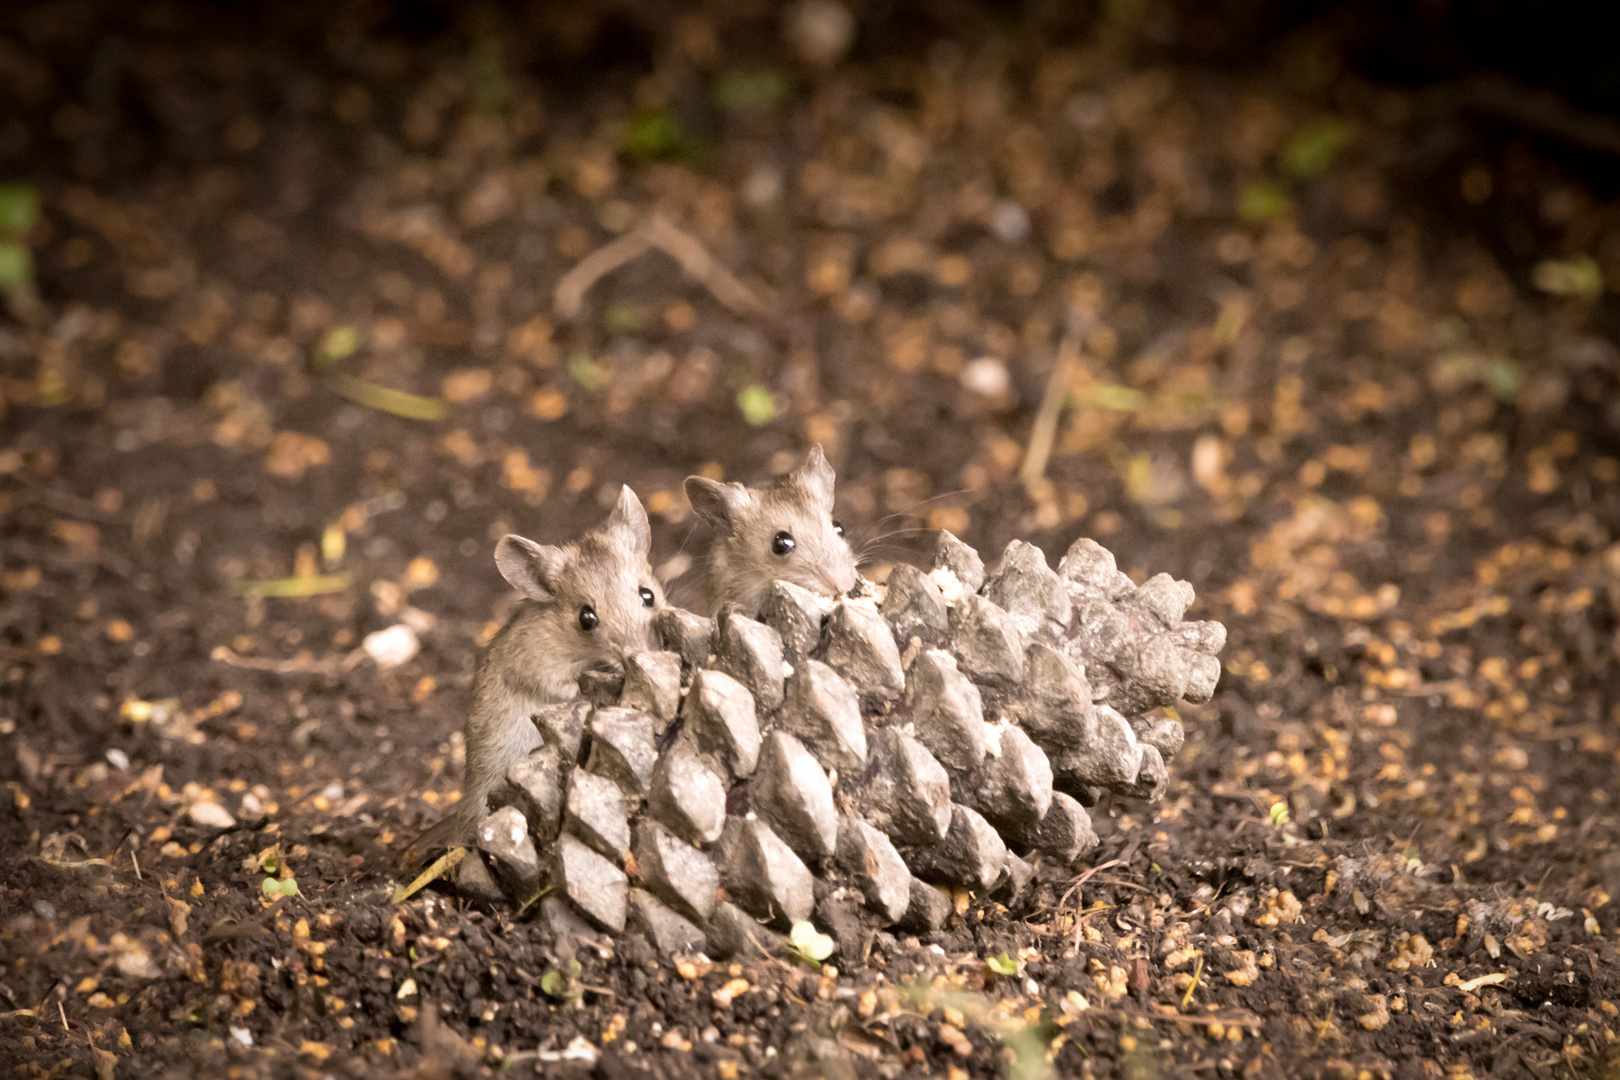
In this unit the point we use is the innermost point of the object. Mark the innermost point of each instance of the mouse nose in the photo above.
(839, 580)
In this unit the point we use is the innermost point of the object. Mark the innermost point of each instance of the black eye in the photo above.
(838, 528)
(587, 618)
(646, 596)
(782, 543)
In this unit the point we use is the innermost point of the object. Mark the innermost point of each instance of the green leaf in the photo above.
(275, 889)
(1312, 151)
(1580, 276)
(1002, 965)
(587, 372)
(1279, 813)
(562, 983)
(809, 942)
(757, 404)
(16, 265)
(655, 135)
(340, 343)
(19, 208)
(621, 318)
(751, 91)
(1262, 201)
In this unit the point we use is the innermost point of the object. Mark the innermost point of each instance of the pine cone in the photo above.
(843, 761)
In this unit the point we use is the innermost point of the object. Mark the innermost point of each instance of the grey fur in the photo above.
(538, 656)
(741, 565)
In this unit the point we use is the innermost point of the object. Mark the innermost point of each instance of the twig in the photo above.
(1044, 432)
(654, 232)
(1543, 112)
(328, 666)
(1198, 972)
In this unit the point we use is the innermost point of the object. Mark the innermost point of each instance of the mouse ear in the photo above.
(815, 476)
(628, 522)
(528, 567)
(717, 504)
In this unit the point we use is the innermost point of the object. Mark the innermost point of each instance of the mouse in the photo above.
(784, 531)
(586, 604)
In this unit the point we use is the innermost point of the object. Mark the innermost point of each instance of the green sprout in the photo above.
(276, 888)
(808, 943)
(1279, 814)
(1002, 965)
(562, 982)
(1313, 150)
(655, 135)
(1263, 201)
(757, 404)
(19, 210)
(587, 372)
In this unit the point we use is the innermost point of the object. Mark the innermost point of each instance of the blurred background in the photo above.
(1311, 304)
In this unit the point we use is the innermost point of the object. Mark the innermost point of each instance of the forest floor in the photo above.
(1340, 356)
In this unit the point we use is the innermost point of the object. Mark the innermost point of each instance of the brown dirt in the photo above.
(1366, 425)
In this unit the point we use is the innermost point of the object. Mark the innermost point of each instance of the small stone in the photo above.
(688, 794)
(1057, 710)
(841, 915)
(597, 814)
(751, 653)
(1165, 597)
(734, 932)
(592, 884)
(210, 815)
(652, 683)
(474, 881)
(877, 869)
(822, 710)
(962, 561)
(907, 791)
(720, 715)
(537, 783)
(666, 929)
(971, 854)
(860, 647)
(683, 632)
(563, 725)
(1065, 833)
(1029, 590)
(947, 712)
(678, 872)
(763, 875)
(928, 908)
(504, 837)
(790, 791)
(796, 614)
(987, 642)
(623, 748)
(1014, 789)
(391, 647)
(914, 606)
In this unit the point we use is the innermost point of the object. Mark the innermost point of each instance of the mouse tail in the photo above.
(455, 829)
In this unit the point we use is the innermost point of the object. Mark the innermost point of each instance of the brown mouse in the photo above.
(784, 531)
(586, 604)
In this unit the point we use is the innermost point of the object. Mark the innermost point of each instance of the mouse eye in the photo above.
(838, 528)
(587, 618)
(782, 543)
(646, 596)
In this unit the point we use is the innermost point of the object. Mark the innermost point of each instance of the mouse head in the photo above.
(783, 532)
(599, 592)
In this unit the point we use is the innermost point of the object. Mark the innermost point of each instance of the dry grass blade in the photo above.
(298, 666)
(441, 866)
(1044, 433)
(293, 586)
(569, 295)
(386, 399)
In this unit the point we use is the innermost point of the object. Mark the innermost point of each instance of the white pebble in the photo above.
(391, 647)
(1009, 221)
(211, 815)
(987, 376)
